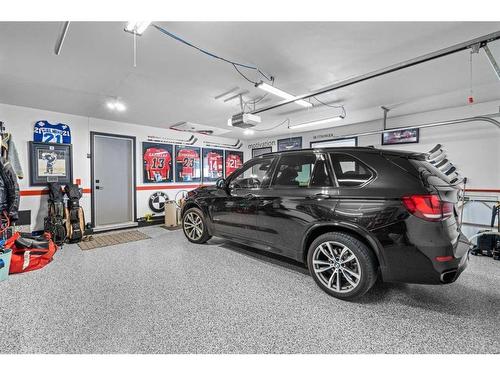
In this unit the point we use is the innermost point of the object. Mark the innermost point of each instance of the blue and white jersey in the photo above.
(46, 132)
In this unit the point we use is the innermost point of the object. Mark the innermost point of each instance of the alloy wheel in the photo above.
(336, 266)
(193, 226)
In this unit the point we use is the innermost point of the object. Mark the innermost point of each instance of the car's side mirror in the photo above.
(221, 184)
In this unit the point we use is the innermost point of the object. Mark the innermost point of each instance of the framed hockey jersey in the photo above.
(187, 164)
(213, 164)
(157, 162)
(234, 160)
(45, 132)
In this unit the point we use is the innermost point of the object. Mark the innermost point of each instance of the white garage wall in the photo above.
(473, 147)
(19, 122)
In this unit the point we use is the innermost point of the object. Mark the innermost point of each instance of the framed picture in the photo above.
(341, 142)
(50, 162)
(261, 151)
(157, 162)
(187, 164)
(294, 143)
(400, 137)
(234, 160)
(213, 164)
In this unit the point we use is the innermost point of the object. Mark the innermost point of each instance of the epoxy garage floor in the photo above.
(165, 295)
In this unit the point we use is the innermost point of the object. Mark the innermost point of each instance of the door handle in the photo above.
(321, 196)
(249, 196)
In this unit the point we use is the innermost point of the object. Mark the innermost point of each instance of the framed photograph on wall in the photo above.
(293, 143)
(261, 151)
(400, 137)
(234, 160)
(187, 164)
(157, 162)
(213, 164)
(341, 142)
(50, 162)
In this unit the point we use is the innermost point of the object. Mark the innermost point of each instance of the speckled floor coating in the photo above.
(164, 295)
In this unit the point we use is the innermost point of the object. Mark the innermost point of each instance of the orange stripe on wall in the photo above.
(483, 190)
(27, 193)
(167, 187)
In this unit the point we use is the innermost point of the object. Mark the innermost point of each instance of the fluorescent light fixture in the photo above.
(137, 27)
(115, 105)
(248, 131)
(317, 122)
(275, 91)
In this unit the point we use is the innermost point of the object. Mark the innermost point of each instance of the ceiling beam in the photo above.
(483, 40)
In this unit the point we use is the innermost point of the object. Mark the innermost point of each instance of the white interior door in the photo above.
(113, 181)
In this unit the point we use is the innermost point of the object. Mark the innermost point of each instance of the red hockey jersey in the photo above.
(233, 162)
(187, 158)
(214, 161)
(157, 164)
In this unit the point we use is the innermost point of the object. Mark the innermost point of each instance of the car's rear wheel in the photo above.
(342, 265)
(194, 226)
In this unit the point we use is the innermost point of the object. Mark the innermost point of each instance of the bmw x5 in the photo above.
(352, 215)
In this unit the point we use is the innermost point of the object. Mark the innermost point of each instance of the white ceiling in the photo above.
(173, 83)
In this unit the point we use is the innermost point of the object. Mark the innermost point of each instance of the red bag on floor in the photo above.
(30, 254)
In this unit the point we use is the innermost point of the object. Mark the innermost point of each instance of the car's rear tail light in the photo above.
(444, 258)
(428, 207)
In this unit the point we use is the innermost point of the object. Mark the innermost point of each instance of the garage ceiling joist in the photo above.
(481, 41)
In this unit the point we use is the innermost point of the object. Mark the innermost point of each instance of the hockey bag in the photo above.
(30, 253)
(75, 222)
(54, 223)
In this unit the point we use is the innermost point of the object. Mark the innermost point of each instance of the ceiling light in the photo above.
(317, 122)
(275, 91)
(120, 107)
(115, 105)
(248, 131)
(137, 27)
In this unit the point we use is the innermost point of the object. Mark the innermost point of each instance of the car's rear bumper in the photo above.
(424, 265)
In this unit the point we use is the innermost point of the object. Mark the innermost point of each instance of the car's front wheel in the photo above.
(341, 265)
(194, 226)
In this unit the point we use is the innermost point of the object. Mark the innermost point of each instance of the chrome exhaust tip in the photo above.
(448, 276)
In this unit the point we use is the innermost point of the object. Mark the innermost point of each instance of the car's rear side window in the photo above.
(301, 171)
(350, 172)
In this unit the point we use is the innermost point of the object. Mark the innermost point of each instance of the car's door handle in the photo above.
(249, 196)
(321, 196)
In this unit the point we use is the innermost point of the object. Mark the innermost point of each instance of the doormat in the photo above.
(112, 239)
(170, 228)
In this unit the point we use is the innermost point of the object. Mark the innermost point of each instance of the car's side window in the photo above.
(301, 170)
(349, 170)
(253, 175)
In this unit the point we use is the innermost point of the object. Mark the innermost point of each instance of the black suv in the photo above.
(351, 214)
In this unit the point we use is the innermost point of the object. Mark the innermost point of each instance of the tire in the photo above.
(327, 260)
(194, 226)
